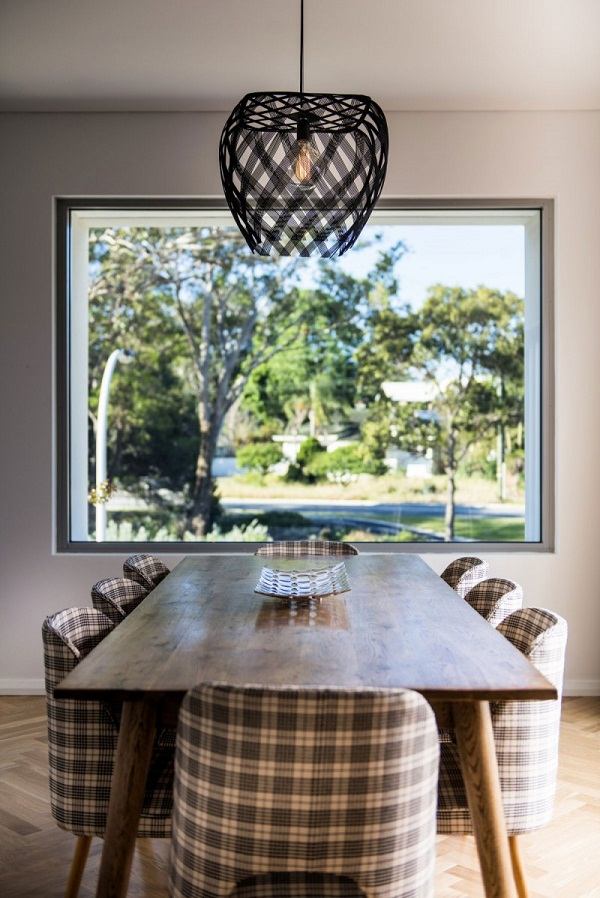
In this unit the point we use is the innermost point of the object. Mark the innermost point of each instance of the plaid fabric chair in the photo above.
(495, 598)
(82, 740)
(526, 736)
(463, 574)
(116, 597)
(298, 548)
(298, 791)
(145, 569)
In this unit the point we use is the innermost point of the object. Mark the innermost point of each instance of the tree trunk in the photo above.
(451, 489)
(200, 516)
(450, 509)
(501, 463)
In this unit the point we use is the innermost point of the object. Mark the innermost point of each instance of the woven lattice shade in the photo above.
(302, 172)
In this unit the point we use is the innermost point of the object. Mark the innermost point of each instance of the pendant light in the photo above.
(301, 172)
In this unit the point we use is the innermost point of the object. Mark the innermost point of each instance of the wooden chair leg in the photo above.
(82, 848)
(517, 865)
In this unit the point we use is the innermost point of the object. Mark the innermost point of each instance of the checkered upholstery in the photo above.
(298, 885)
(307, 784)
(82, 737)
(297, 548)
(463, 574)
(495, 598)
(526, 735)
(145, 569)
(116, 597)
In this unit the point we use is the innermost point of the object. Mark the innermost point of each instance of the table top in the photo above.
(399, 626)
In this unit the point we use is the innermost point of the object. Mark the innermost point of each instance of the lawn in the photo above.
(390, 488)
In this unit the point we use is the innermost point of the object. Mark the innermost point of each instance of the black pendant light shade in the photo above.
(301, 172)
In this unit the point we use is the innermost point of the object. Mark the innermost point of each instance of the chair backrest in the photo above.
(116, 597)
(495, 598)
(307, 782)
(297, 548)
(145, 569)
(82, 737)
(527, 733)
(463, 574)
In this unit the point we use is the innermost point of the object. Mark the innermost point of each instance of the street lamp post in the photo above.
(101, 431)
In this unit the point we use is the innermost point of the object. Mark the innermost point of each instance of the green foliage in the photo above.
(251, 533)
(307, 451)
(385, 352)
(340, 465)
(376, 438)
(259, 456)
(298, 471)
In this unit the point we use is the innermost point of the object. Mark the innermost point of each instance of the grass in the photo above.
(388, 488)
(496, 528)
(488, 529)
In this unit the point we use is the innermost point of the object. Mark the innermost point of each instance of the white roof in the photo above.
(409, 390)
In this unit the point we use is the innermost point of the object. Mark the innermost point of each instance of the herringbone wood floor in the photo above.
(563, 860)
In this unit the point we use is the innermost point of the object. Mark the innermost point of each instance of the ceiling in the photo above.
(164, 55)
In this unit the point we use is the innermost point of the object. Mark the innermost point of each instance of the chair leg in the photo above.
(517, 865)
(82, 848)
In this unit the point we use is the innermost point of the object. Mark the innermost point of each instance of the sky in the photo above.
(458, 255)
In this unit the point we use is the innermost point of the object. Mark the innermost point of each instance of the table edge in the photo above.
(538, 693)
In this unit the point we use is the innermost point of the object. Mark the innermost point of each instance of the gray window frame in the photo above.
(64, 206)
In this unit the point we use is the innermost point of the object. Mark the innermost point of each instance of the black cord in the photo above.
(301, 46)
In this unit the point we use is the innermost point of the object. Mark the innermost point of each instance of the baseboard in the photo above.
(575, 688)
(33, 686)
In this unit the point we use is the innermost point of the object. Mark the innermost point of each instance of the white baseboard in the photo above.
(575, 688)
(35, 686)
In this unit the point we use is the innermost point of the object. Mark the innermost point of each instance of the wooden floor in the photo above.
(563, 860)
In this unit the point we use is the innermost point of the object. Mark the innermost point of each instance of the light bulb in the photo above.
(303, 166)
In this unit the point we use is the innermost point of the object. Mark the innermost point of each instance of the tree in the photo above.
(469, 346)
(233, 311)
(259, 456)
(314, 379)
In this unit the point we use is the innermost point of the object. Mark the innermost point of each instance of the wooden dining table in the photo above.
(399, 625)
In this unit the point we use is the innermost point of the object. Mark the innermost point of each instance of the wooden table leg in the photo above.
(134, 752)
(477, 752)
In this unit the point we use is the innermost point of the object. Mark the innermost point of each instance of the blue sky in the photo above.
(453, 255)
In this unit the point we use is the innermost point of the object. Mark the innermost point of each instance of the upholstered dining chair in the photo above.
(495, 598)
(463, 574)
(145, 569)
(526, 736)
(82, 741)
(297, 548)
(116, 597)
(315, 791)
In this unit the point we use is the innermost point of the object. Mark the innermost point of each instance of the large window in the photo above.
(392, 397)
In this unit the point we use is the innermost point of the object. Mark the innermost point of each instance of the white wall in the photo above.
(432, 154)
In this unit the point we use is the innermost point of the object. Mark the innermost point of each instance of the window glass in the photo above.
(391, 395)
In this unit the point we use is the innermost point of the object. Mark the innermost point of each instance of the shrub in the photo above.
(251, 533)
(259, 456)
(374, 445)
(295, 474)
(307, 451)
(298, 471)
(340, 466)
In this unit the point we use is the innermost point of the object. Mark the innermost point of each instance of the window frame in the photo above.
(63, 209)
